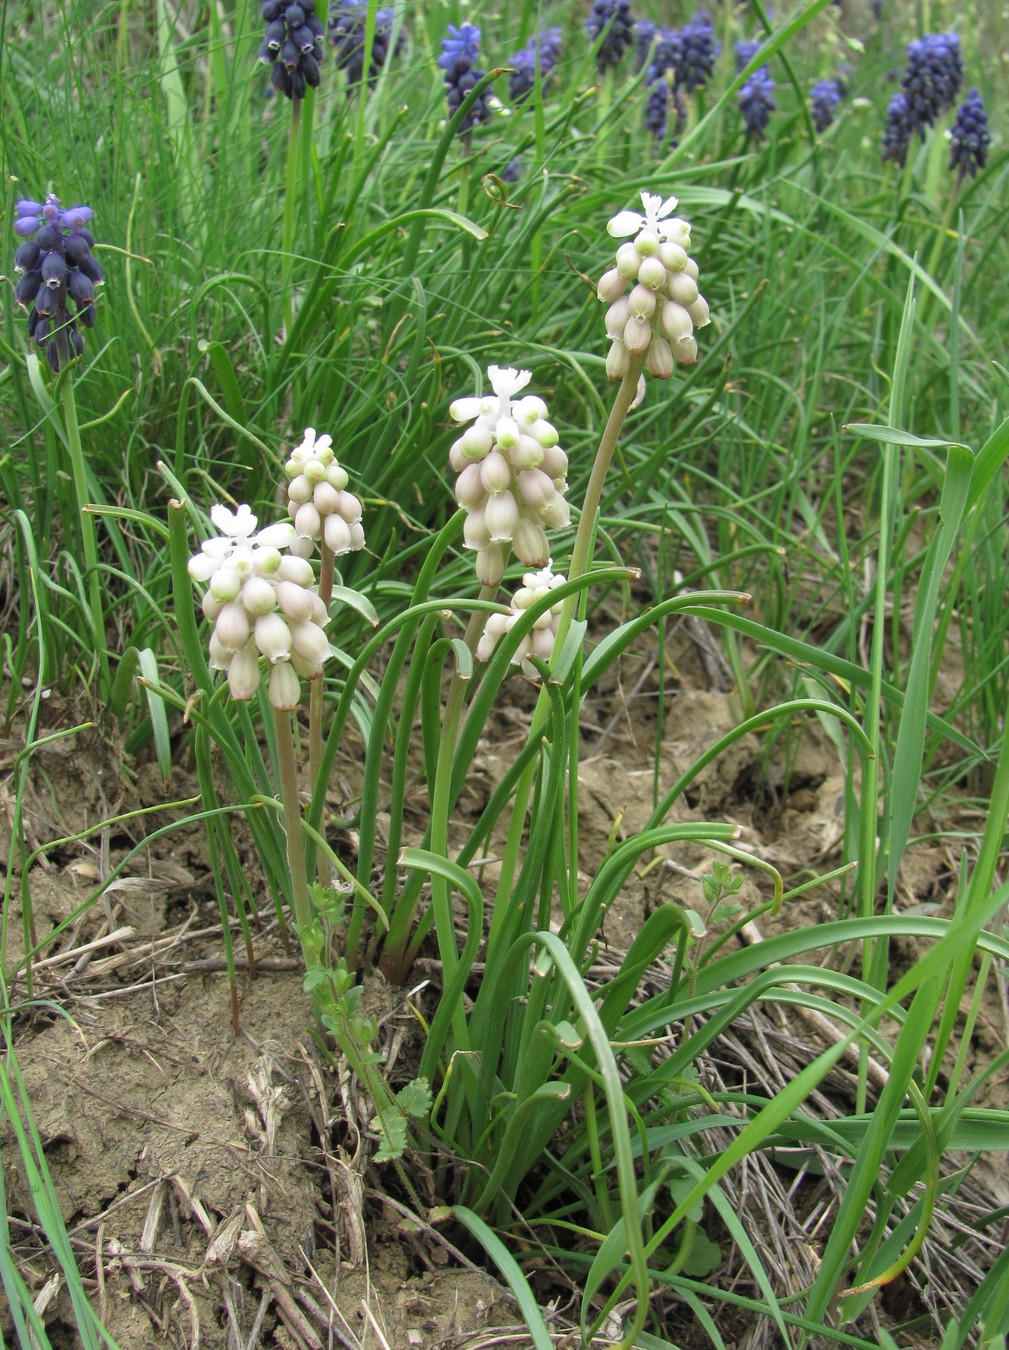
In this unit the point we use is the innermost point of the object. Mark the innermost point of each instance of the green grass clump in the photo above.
(824, 489)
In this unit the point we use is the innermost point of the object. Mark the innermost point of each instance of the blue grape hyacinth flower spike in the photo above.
(56, 265)
(292, 46)
(970, 137)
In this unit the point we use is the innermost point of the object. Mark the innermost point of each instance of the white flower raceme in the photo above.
(512, 474)
(317, 498)
(664, 306)
(261, 603)
(540, 640)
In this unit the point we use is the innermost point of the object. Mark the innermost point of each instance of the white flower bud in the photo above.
(617, 361)
(536, 489)
(232, 626)
(338, 537)
(685, 351)
(202, 566)
(507, 433)
(301, 548)
(337, 476)
(220, 657)
(652, 273)
(476, 442)
(356, 535)
(465, 409)
(495, 472)
(314, 472)
(325, 498)
(545, 432)
(530, 542)
(490, 565)
(673, 256)
(699, 312)
(350, 507)
(475, 533)
(501, 515)
(308, 522)
(556, 514)
(259, 596)
(528, 453)
(682, 289)
(284, 689)
(273, 637)
(637, 335)
(267, 560)
(243, 673)
(296, 569)
(675, 321)
(642, 304)
(692, 269)
(294, 601)
(611, 285)
(299, 489)
(659, 358)
(456, 457)
(310, 643)
(628, 261)
(225, 584)
(554, 463)
(469, 488)
(646, 245)
(211, 607)
(616, 317)
(542, 640)
(528, 410)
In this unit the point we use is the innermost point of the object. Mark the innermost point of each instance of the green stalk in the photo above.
(291, 194)
(326, 573)
(287, 771)
(79, 473)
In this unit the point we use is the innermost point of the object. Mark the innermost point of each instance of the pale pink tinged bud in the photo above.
(220, 657)
(675, 321)
(685, 351)
(611, 286)
(339, 535)
(475, 533)
(507, 433)
(485, 647)
(647, 244)
(299, 489)
(273, 638)
(337, 477)
(211, 607)
(616, 317)
(232, 626)
(469, 488)
(628, 261)
(356, 536)
(314, 471)
(536, 488)
(294, 601)
(490, 564)
(225, 584)
(521, 658)
(637, 335)
(682, 289)
(642, 304)
(525, 595)
(527, 454)
(554, 463)
(659, 358)
(243, 673)
(529, 410)
(617, 361)
(350, 507)
(303, 668)
(530, 542)
(284, 690)
(294, 567)
(310, 644)
(699, 312)
(495, 472)
(556, 515)
(308, 522)
(317, 613)
(325, 499)
(501, 515)
(456, 457)
(476, 442)
(674, 257)
(259, 596)
(692, 270)
(543, 642)
(302, 548)
(652, 273)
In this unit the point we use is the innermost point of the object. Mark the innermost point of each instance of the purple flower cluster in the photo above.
(700, 51)
(459, 51)
(664, 82)
(745, 52)
(612, 21)
(347, 20)
(56, 265)
(757, 102)
(970, 138)
(932, 79)
(897, 132)
(545, 49)
(292, 46)
(824, 97)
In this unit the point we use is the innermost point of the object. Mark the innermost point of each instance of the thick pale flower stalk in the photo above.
(323, 512)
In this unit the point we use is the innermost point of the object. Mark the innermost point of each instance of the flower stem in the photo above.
(292, 184)
(79, 473)
(326, 573)
(288, 773)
